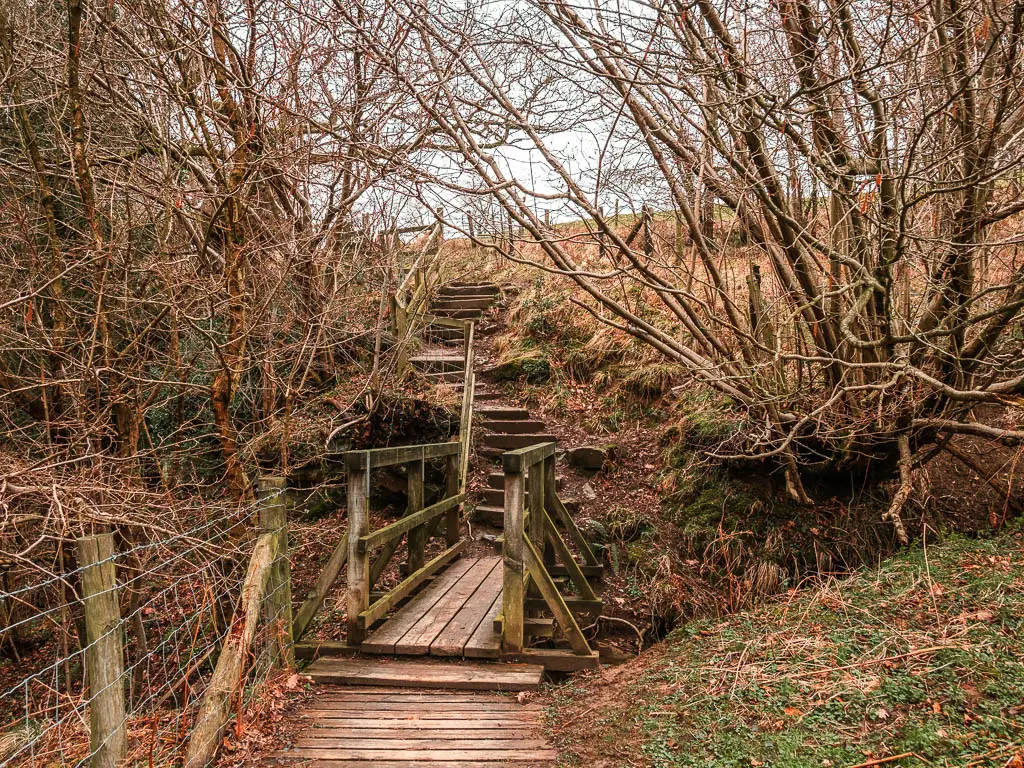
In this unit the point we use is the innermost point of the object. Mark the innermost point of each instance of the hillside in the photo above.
(918, 662)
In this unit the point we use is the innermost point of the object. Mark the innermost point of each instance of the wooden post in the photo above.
(616, 213)
(469, 225)
(601, 249)
(418, 535)
(216, 705)
(648, 230)
(512, 578)
(277, 604)
(358, 562)
(679, 239)
(547, 218)
(549, 507)
(453, 485)
(466, 417)
(104, 653)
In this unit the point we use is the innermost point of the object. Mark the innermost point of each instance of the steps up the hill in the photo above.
(507, 429)
(459, 301)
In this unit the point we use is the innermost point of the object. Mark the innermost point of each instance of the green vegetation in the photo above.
(921, 657)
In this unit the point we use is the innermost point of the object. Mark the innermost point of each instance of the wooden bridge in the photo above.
(429, 664)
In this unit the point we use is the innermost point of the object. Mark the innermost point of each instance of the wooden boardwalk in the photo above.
(453, 616)
(401, 728)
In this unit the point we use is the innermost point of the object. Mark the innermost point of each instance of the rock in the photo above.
(571, 505)
(588, 457)
(588, 492)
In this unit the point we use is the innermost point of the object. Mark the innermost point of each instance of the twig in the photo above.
(918, 652)
(882, 760)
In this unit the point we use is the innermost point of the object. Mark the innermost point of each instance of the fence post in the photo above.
(277, 605)
(358, 562)
(417, 540)
(104, 653)
(512, 579)
(453, 486)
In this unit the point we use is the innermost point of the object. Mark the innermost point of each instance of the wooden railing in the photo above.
(417, 525)
(533, 550)
(412, 297)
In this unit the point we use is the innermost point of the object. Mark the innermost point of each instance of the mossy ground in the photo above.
(921, 657)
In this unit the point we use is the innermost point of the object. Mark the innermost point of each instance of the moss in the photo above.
(531, 367)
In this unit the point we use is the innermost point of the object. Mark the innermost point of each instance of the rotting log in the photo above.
(215, 707)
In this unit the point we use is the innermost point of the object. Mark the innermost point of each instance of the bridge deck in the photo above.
(402, 728)
(453, 616)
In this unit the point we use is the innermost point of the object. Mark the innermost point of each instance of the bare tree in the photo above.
(867, 155)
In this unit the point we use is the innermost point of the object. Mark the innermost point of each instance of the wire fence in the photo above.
(176, 598)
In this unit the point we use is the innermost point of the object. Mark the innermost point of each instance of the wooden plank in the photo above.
(411, 743)
(464, 676)
(387, 704)
(453, 639)
(446, 756)
(281, 758)
(558, 660)
(413, 519)
(485, 643)
(385, 457)
(445, 724)
(519, 460)
(421, 634)
(407, 586)
(523, 731)
(384, 639)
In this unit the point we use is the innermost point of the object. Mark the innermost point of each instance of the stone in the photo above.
(588, 491)
(588, 457)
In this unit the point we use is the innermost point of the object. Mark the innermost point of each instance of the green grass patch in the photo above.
(921, 657)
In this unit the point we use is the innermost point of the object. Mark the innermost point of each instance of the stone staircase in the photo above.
(457, 301)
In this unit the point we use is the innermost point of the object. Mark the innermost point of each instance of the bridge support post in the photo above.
(104, 652)
(417, 540)
(277, 604)
(512, 581)
(358, 562)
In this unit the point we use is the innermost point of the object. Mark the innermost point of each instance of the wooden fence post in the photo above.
(358, 562)
(512, 579)
(453, 486)
(277, 604)
(417, 536)
(104, 653)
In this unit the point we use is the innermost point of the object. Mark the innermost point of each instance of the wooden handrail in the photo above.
(527, 535)
(375, 458)
(418, 524)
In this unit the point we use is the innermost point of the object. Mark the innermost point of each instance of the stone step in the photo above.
(496, 480)
(470, 302)
(513, 426)
(499, 413)
(439, 363)
(512, 442)
(486, 396)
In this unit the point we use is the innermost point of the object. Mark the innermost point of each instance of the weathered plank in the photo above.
(440, 755)
(384, 639)
(464, 676)
(453, 639)
(485, 643)
(416, 642)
